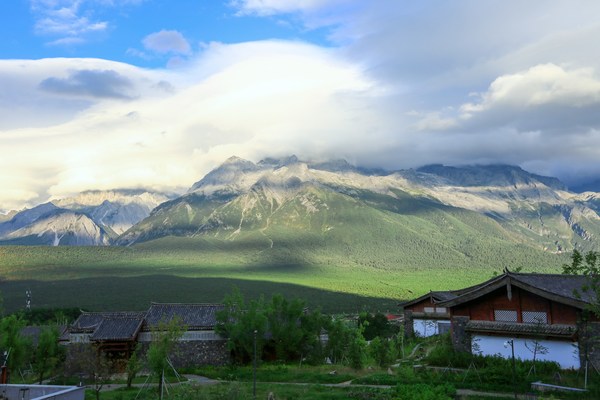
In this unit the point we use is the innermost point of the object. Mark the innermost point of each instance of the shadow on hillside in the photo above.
(136, 293)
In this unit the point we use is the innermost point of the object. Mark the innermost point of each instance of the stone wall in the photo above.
(461, 339)
(194, 353)
(205, 352)
(408, 324)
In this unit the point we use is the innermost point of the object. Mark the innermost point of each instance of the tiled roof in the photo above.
(521, 328)
(118, 328)
(441, 295)
(88, 322)
(434, 296)
(194, 316)
(125, 325)
(562, 285)
(560, 288)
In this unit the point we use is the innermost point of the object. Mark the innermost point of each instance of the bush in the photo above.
(382, 351)
(423, 391)
(444, 355)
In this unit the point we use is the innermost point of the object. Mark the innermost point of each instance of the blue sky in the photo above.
(108, 94)
(115, 30)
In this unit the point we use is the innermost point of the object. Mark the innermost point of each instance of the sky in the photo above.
(109, 94)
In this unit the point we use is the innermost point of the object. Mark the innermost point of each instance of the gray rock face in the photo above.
(288, 195)
(90, 218)
(242, 195)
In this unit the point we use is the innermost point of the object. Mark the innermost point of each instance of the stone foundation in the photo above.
(196, 353)
(207, 352)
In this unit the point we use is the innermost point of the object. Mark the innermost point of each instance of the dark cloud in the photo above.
(90, 83)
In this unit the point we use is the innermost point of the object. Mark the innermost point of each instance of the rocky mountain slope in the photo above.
(319, 208)
(90, 218)
(288, 210)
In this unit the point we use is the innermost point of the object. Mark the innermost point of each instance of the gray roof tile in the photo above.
(195, 316)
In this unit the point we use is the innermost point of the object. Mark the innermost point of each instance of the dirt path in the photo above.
(202, 380)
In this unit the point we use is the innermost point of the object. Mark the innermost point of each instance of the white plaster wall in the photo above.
(563, 352)
(425, 327)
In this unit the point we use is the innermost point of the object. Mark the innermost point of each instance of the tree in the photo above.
(377, 325)
(339, 336)
(293, 329)
(382, 351)
(589, 267)
(48, 352)
(134, 366)
(13, 342)
(86, 361)
(238, 321)
(357, 352)
(164, 338)
(285, 328)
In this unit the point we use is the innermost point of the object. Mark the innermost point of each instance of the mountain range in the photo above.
(94, 218)
(293, 209)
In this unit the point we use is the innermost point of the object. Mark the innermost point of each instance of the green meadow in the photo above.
(204, 270)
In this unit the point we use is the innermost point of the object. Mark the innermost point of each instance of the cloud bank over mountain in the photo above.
(397, 85)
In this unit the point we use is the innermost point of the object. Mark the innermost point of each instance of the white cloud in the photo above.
(541, 85)
(253, 100)
(71, 22)
(546, 98)
(167, 42)
(273, 7)
(394, 91)
(63, 18)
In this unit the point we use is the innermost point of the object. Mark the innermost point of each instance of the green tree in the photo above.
(164, 339)
(284, 326)
(13, 342)
(134, 365)
(357, 351)
(382, 351)
(238, 321)
(293, 330)
(48, 353)
(339, 336)
(377, 325)
(86, 361)
(589, 267)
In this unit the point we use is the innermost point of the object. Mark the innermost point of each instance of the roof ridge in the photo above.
(544, 274)
(109, 312)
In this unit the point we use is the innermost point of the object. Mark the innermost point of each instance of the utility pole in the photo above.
(511, 342)
(254, 368)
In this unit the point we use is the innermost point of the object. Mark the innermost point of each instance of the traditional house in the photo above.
(117, 334)
(114, 333)
(199, 344)
(423, 316)
(537, 315)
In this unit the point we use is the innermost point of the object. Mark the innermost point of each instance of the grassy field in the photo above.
(200, 270)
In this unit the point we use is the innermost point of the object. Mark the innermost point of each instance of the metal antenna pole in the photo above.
(254, 369)
(514, 368)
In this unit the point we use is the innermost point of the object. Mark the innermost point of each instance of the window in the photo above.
(505, 315)
(440, 310)
(534, 317)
